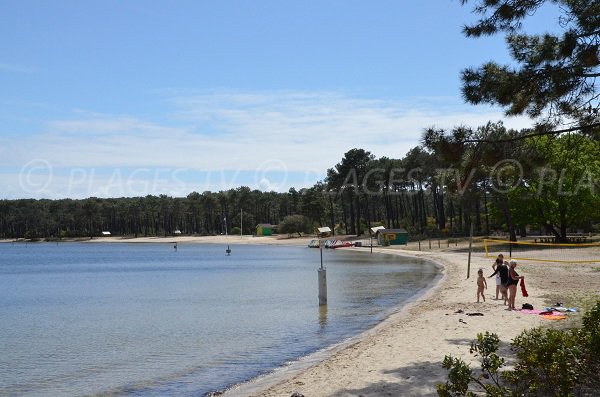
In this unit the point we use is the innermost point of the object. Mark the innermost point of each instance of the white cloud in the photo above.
(262, 133)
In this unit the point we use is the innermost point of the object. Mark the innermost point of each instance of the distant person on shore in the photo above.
(513, 280)
(501, 271)
(481, 285)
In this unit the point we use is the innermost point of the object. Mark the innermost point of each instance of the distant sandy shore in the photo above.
(273, 240)
(236, 239)
(402, 356)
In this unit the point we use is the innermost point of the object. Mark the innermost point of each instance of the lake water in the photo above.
(148, 320)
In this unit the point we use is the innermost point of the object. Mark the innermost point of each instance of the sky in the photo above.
(128, 98)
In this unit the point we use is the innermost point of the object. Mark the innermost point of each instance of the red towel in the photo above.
(523, 289)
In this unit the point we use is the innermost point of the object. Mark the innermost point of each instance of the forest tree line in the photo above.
(453, 179)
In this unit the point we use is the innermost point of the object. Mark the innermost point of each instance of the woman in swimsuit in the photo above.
(513, 280)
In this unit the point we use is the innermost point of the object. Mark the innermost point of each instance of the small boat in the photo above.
(338, 244)
(330, 244)
(313, 244)
(342, 244)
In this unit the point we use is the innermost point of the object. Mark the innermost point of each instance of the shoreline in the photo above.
(236, 239)
(262, 383)
(402, 354)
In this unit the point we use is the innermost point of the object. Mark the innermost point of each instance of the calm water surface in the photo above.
(146, 320)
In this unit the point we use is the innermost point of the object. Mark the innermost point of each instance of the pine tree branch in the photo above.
(533, 134)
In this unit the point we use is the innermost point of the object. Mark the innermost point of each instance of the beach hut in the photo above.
(392, 237)
(264, 229)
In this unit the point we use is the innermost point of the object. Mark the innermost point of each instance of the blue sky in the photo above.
(127, 98)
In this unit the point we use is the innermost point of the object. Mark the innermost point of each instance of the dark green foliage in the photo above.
(347, 181)
(436, 191)
(459, 378)
(548, 362)
(296, 224)
(462, 382)
(591, 351)
(554, 76)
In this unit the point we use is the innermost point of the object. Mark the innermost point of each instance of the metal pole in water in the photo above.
(322, 272)
(228, 250)
(322, 287)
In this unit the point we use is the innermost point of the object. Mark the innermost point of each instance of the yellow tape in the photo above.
(582, 245)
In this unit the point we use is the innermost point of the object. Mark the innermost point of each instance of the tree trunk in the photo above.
(487, 216)
(344, 216)
(562, 211)
(451, 213)
(503, 200)
(332, 214)
(478, 217)
(352, 215)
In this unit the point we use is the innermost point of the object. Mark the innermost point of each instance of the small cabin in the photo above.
(264, 229)
(387, 237)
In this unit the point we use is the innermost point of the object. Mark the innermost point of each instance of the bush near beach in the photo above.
(547, 362)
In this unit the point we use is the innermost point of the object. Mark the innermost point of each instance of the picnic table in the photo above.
(576, 238)
(544, 239)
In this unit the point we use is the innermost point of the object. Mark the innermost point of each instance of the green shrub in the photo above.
(295, 224)
(548, 362)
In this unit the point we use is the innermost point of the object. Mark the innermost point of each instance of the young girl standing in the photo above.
(481, 285)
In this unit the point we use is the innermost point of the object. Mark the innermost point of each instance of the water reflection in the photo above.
(322, 316)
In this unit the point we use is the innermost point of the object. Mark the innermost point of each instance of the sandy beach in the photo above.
(402, 356)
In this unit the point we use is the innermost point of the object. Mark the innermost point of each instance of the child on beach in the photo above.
(501, 269)
(481, 285)
(497, 263)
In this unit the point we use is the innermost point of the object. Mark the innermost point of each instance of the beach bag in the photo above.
(527, 306)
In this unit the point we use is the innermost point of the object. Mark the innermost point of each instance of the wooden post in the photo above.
(470, 246)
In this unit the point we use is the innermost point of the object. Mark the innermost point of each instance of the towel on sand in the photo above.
(547, 314)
